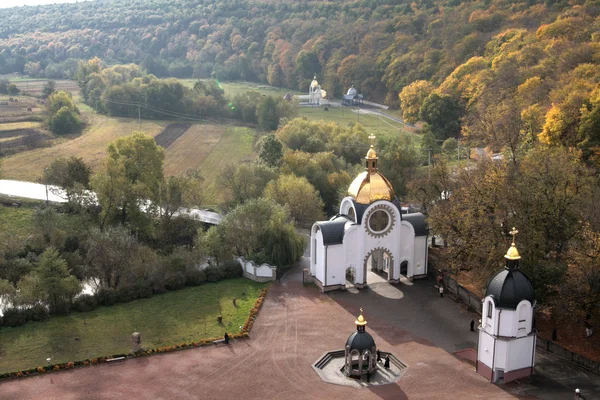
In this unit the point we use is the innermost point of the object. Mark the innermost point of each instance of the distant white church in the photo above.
(316, 96)
(369, 235)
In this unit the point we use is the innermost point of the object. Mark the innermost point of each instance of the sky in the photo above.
(15, 3)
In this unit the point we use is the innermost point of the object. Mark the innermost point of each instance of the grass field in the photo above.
(9, 126)
(234, 147)
(90, 145)
(233, 88)
(181, 316)
(374, 124)
(16, 221)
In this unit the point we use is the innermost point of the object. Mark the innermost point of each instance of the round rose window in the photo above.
(379, 221)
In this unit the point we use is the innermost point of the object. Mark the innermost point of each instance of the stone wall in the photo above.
(258, 273)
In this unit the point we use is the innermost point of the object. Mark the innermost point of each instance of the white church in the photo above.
(370, 235)
(507, 335)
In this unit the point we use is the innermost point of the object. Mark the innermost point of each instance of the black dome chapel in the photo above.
(509, 287)
(360, 341)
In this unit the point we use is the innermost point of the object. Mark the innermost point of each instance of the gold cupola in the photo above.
(370, 185)
(513, 253)
(360, 321)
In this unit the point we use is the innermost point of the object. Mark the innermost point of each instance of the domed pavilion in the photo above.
(371, 234)
(360, 351)
(507, 337)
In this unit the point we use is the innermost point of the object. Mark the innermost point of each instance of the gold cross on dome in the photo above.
(514, 233)
(372, 139)
(361, 311)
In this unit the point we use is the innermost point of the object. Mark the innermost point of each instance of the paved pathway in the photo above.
(295, 327)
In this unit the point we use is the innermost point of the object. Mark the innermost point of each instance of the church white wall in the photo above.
(317, 268)
(489, 324)
(520, 353)
(507, 323)
(407, 246)
(420, 255)
(485, 349)
(500, 358)
(336, 270)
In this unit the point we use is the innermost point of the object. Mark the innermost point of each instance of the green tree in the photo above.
(111, 256)
(63, 115)
(270, 150)
(70, 174)
(299, 195)
(132, 174)
(49, 89)
(266, 114)
(13, 90)
(261, 229)
(50, 282)
(443, 114)
(245, 181)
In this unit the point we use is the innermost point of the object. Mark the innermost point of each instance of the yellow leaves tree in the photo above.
(412, 97)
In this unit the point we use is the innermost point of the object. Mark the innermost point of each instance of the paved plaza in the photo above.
(296, 326)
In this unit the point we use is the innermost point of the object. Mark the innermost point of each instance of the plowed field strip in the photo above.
(171, 133)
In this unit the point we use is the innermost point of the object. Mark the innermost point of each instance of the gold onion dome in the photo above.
(370, 185)
(314, 83)
(513, 253)
(361, 321)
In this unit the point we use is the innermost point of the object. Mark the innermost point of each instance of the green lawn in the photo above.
(233, 88)
(16, 221)
(235, 147)
(172, 318)
(374, 124)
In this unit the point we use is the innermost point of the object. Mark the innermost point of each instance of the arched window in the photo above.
(490, 309)
(523, 318)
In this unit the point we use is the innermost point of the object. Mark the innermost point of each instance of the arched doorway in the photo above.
(404, 268)
(350, 276)
(379, 266)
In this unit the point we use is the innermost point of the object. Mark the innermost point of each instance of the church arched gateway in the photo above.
(370, 235)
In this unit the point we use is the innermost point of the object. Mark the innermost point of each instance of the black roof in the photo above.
(360, 341)
(333, 230)
(417, 220)
(509, 287)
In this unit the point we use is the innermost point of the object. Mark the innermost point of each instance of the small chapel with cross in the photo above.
(370, 239)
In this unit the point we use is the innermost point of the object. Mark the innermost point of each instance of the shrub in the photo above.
(142, 289)
(14, 317)
(175, 281)
(85, 302)
(37, 313)
(195, 277)
(231, 269)
(213, 273)
(125, 294)
(106, 297)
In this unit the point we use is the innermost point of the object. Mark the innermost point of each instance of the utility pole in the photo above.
(46, 183)
(429, 163)
(458, 151)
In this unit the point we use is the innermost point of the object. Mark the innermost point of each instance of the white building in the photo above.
(316, 96)
(369, 235)
(507, 337)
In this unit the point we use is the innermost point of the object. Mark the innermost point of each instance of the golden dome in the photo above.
(513, 253)
(371, 153)
(361, 321)
(368, 187)
(314, 83)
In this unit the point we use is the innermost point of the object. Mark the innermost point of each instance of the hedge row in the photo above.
(166, 349)
(143, 289)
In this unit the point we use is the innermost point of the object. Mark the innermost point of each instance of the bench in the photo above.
(219, 341)
(116, 359)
